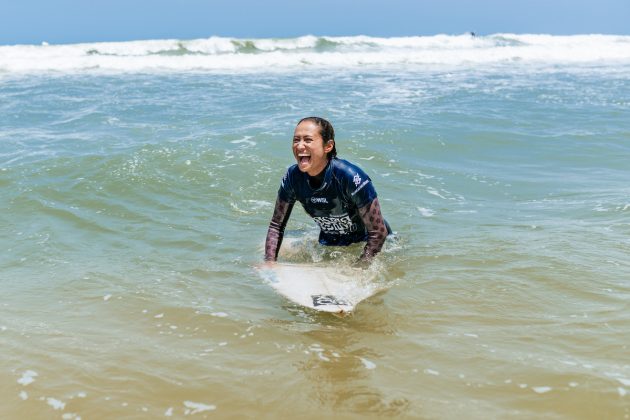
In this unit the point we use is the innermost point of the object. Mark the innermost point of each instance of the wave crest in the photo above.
(220, 53)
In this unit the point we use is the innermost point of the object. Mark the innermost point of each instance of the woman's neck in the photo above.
(316, 181)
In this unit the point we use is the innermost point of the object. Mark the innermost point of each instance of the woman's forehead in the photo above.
(307, 128)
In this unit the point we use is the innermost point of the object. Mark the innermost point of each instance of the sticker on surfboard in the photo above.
(319, 300)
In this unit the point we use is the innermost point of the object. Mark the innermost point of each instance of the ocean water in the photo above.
(137, 181)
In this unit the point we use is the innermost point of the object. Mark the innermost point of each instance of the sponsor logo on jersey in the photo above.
(319, 200)
(367, 181)
(356, 179)
(336, 225)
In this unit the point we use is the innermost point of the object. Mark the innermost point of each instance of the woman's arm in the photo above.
(376, 228)
(275, 232)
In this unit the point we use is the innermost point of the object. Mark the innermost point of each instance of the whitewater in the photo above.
(231, 54)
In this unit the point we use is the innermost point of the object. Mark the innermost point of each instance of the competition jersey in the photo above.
(335, 204)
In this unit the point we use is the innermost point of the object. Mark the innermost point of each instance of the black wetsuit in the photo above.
(344, 205)
(335, 204)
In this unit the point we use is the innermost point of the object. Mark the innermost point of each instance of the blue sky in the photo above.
(70, 21)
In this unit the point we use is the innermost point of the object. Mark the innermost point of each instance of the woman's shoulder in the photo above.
(291, 171)
(346, 169)
(292, 168)
(355, 183)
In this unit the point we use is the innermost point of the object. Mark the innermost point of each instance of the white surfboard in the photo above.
(323, 288)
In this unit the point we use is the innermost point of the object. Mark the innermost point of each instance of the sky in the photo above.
(73, 21)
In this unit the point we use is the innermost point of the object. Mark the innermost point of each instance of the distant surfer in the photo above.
(337, 194)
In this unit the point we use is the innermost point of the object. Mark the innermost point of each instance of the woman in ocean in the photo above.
(337, 194)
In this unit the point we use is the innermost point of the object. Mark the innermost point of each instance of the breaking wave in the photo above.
(259, 55)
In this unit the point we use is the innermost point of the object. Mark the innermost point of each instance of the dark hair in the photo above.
(327, 132)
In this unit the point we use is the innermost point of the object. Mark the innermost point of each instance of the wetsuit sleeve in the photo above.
(275, 232)
(376, 228)
(281, 213)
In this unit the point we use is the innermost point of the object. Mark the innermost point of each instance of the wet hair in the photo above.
(327, 132)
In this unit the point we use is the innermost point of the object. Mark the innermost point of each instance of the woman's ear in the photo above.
(329, 146)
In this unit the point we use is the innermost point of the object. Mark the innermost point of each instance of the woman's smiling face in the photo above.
(309, 148)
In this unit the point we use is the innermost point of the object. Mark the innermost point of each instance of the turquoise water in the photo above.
(135, 200)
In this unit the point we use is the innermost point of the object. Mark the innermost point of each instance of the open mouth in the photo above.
(304, 159)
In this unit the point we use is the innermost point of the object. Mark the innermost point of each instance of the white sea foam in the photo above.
(322, 357)
(368, 363)
(55, 403)
(223, 54)
(424, 212)
(245, 140)
(434, 192)
(27, 378)
(195, 407)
